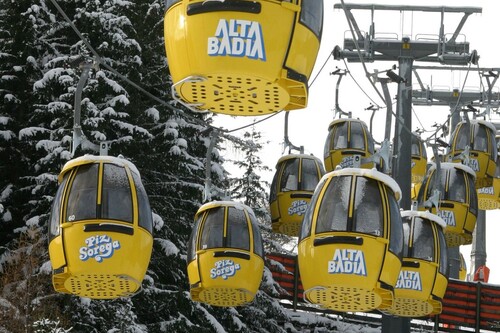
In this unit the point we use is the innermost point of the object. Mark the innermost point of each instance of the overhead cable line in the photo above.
(368, 75)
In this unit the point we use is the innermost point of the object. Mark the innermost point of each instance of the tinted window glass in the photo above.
(328, 144)
(462, 137)
(457, 190)
(340, 135)
(472, 196)
(82, 201)
(274, 186)
(145, 214)
(415, 146)
(443, 256)
(55, 213)
(406, 235)
(116, 203)
(305, 229)
(480, 138)
(357, 136)
(170, 3)
(237, 230)
(213, 229)
(289, 177)
(396, 236)
(333, 212)
(191, 251)
(423, 240)
(312, 15)
(368, 213)
(258, 246)
(310, 176)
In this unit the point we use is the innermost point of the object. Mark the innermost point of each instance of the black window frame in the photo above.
(312, 16)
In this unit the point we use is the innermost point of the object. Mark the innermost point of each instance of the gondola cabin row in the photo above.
(225, 255)
(100, 235)
(479, 136)
(242, 57)
(423, 277)
(458, 203)
(351, 241)
(292, 187)
(348, 140)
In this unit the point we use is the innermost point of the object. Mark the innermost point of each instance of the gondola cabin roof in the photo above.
(87, 159)
(343, 120)
(291, 156)
(371, 173)
(425, 215)
(449, 165)
(222, 203)
(485, 123)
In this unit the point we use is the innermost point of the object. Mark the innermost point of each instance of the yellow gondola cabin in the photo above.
(479, 136)
(351, 241)
(100, 239)
(489, 197)
(293, 185)
(458, 204)
(242, 57)
(347, 139)
(225, 254)
(423, 277)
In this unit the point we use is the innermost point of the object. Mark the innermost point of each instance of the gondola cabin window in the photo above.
(213, 229)
(423, 240)
(357, 135)
(289, 181)
(237, 231)
(367, 216)
(396, 232)
(311, 16)
(83, 194)
(309, 175)
(145, 215)
(116, 194)
(56, 210)
(443, 256)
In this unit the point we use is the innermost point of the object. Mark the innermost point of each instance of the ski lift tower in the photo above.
(367, 47)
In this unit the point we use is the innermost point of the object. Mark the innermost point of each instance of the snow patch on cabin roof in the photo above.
(425, 215)
(87, 158)
(449, 165)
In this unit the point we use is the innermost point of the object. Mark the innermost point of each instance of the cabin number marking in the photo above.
(347, 261)
(99, 247)
(224, 268)
(237, 38)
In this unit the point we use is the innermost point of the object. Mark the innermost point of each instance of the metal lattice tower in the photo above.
(368, 48)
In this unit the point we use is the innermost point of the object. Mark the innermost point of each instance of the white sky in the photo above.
(309, 127)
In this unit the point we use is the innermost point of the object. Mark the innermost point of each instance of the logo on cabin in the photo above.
(448, 216)
(409, 280)
(486, 190)
(237, 38)
(224, 268)
(98, 247)
(298, 207)
(347, 261)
